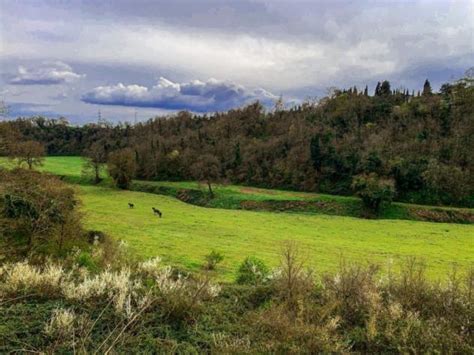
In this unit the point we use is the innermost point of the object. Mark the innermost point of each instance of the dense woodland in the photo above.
(421, 142)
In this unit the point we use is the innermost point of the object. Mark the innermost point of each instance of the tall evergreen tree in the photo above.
(377, 89)
(237, 156)
(427, 88)
(385, 88)
(316, 154)
(366, 91)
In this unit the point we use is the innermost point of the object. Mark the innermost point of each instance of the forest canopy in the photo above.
(423, 142)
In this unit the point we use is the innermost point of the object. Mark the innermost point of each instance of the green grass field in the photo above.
(186, 232)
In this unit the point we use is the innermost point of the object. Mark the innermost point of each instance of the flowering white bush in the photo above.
(61, 323)
(124, 288)
(23, 276)
(151, 266)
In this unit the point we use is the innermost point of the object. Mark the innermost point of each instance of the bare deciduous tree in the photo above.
(206, 168)
(30, 153)
(96, 157)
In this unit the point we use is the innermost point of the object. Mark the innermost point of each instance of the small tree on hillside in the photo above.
(206, 168)
(30, 153)
(96, 157)
(212, 259)
(252, 271)
(122, 167)
(374, 191)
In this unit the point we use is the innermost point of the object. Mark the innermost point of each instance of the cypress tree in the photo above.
(316, 154)
(237, 155)
(385, 88)
(426, 88)
(377, 89)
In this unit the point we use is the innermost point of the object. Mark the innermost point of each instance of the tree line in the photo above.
(413, 147)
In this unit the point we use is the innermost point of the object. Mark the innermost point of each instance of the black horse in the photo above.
(156, 212)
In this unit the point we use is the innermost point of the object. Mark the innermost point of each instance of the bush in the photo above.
(136, 309)
(375, 192)
(85, 259)
(212, 259)
(38, 213)
(252, 271)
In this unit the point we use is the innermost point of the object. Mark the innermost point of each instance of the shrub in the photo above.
(138, 309)
(375, 192)
(61, 323)
(85, 259)
(212, 259)
(38, 213)
(252, 271)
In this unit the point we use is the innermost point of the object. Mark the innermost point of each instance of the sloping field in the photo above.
(186, 233)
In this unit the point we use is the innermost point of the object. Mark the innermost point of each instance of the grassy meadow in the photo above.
(186, 233)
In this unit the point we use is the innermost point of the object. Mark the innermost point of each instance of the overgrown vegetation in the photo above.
(149, 307)
(37, 213)
(65, 290)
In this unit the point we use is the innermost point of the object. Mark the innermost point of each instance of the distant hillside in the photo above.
(422, 141)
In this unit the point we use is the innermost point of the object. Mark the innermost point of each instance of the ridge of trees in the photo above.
(423, 142)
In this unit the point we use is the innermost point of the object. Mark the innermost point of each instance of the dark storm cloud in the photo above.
(198, 96)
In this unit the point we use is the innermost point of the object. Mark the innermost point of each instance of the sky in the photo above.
(136, 59)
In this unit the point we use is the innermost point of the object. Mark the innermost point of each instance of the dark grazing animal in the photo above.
(130, 205)
(156, 212)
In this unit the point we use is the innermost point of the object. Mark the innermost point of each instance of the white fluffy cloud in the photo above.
(199, 96)
(48, 73)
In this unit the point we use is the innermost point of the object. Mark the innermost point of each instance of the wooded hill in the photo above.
(422, 142)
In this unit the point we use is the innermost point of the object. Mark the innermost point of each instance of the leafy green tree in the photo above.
(122, 167)
(375, 192)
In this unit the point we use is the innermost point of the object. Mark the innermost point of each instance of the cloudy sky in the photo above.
(141, 58)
